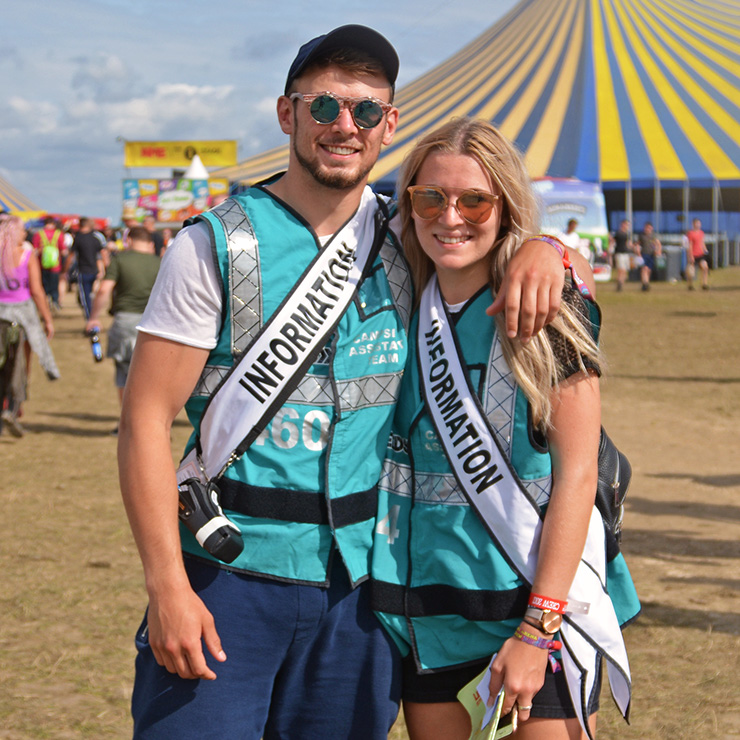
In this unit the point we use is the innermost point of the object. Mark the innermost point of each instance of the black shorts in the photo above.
(552, 701)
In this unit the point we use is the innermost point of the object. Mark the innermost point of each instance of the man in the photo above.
(622, 247)
(573, 241)
(698, 254)
(150, 224)
(128, 280)
(87, 249)
(649, 247)
(306, 657)
(50, 246)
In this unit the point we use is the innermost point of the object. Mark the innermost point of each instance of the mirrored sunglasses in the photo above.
(325, 108)
(430, 201)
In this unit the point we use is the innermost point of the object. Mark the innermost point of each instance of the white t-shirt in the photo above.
(186, 301)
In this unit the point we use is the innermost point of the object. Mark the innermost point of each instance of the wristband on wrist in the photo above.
(553, 241)
(539, 642)
(547, 604)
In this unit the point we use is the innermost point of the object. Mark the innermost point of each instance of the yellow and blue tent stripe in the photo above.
(611, 91)
(14, 201)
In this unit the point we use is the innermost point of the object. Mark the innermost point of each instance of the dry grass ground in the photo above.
(72, 592)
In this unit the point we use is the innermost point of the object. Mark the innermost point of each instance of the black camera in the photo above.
(201, 513)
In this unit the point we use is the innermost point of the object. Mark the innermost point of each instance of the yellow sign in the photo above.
(179, 153)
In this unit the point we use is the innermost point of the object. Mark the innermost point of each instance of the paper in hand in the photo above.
(483, 719)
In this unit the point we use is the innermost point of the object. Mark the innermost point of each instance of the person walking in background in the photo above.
(21, 296)
(167, 236)
(150, 224)
(307, 659)
(698, 254)
(113, 244)
(623, 247)
(126, 286)
(87, 251)
(648, 247)
(50, 246)
(574, 242)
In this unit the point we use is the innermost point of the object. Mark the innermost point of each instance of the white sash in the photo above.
(512, 518)
(286, 346)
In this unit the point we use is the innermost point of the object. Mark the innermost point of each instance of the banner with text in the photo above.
(221, 153)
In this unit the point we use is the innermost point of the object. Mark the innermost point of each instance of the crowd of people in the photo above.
(627, 252)
(641, 253)
(41, 268)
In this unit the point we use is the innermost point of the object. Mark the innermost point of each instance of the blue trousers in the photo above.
(303, 663)
(85, 285)
(50, 281)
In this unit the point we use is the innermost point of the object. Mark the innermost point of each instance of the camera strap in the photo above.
(286, 346)
(513, 519)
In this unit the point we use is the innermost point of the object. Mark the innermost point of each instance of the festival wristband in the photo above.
(539, 642)
(553, 242)
(547, 604)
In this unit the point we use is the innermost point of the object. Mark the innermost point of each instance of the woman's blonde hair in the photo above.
(533, 364)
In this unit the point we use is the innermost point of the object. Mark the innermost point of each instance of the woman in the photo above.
(20, 289)
(448, 593)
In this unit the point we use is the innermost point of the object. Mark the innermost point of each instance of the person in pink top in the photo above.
(698, 255)
(21, 295)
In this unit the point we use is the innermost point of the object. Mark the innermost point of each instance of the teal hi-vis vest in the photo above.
(309, 481)
(441, 586)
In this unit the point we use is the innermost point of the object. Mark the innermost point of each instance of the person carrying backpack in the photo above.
(50, 247)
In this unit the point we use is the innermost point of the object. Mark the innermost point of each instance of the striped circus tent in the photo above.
(628, 93)
(15, 202)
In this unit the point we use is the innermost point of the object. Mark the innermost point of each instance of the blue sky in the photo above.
(80, 73)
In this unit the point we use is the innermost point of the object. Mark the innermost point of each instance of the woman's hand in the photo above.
(520, 669)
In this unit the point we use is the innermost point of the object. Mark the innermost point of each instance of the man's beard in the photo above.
(337, 180)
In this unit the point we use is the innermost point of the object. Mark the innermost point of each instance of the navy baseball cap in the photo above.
(357, 37)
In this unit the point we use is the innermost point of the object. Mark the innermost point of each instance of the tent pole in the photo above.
(715, 222)
(685, 206)
(657, 205)
(628, 201)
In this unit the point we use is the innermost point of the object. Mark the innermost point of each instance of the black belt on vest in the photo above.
(305, 507)
(437, 599)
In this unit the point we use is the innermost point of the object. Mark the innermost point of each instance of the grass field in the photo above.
(73, 595)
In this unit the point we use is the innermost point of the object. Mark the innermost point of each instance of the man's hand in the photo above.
(92, 325)
(531, 290)
(178, 622)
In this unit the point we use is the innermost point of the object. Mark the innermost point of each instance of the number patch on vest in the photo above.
(287, 429)
(388, 525)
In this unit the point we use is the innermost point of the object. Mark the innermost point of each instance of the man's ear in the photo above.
(285, 113)
(391, 122)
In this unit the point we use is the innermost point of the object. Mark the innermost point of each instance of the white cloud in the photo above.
(103, 77)
(24, 116)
